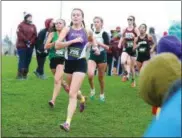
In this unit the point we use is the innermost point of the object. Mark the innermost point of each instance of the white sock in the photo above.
(92, 92)
(79, 92)
(101, 95)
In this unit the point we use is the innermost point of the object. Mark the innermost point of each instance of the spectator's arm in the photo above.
(152, 44)
(39, 40)
(155, 40)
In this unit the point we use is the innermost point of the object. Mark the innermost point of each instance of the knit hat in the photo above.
(26, 15)
(170, 44)
(47, 22)
(118, 29)
(165, 33)
(157, 76)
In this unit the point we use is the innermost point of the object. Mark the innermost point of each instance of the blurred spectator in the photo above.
(41, 53)
(175, 29)
(152, 33)
(92, 27)
(153, 86)
(165, 33)
(109, 60)
(170, 44)
(26, 38)
(116, 52)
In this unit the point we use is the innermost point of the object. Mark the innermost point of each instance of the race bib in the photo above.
(74, 52)
(129, 35)
(129, 44)
(59, 52)
(142, 49)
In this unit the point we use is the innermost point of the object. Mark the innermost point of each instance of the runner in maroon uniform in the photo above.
(128, 55)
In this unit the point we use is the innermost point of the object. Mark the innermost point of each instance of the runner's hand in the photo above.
(97, 51)
(151, 50)
(77, 40)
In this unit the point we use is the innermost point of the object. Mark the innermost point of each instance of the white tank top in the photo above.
(99, 38)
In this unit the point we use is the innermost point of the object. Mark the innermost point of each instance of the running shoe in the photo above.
(82, 105)
(102, 99)
(65, 127)
(36, 74)
(124, 79)
(92, 97)
(43, 77)
(51, 104)
(92, 94)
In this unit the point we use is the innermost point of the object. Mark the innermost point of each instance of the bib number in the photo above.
(142, 50)
(59, 52)
(130, 44)
(129, 35)
(74, 52)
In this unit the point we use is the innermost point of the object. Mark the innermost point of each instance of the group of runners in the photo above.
(68, 47)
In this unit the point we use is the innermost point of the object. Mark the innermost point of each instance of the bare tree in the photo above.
(7, 41)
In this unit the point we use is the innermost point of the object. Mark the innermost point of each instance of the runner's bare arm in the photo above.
(121, 39)
(91, 39)
(103, 45)
(59, 43)
(48, 43)
(137, 31)
(93, 42)
(135, 46)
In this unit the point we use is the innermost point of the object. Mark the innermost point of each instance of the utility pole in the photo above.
(61, 9)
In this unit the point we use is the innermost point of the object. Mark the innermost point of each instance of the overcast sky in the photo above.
(154, 13)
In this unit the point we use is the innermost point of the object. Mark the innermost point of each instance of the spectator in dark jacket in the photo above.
(152, 33)
(109, 61)
(41, 53)
(26, 37)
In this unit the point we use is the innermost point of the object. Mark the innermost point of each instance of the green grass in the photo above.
(25, 110)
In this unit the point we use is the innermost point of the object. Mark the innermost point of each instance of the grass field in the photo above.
(25, 110)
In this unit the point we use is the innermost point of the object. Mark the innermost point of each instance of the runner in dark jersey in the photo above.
(144, 46)
(77, 40)
(99, 61)
(128, 55)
